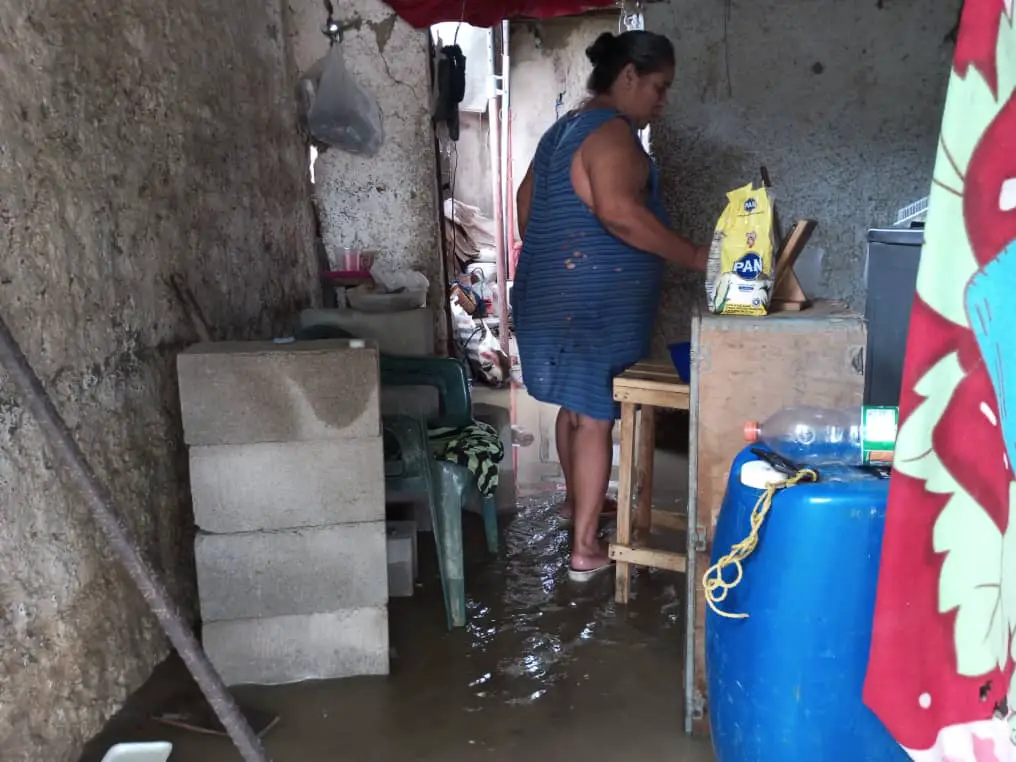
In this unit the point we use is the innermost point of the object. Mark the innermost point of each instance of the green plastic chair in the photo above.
(411, 468)
(451, 485)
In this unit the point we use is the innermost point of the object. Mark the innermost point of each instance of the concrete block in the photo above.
(290, 649)
(401, 559)
(407, 528)
(284, 485)
(410, 332)
(250, 392)
(300, 571)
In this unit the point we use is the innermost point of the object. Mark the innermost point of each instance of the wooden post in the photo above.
(624, 489)
(647, 449)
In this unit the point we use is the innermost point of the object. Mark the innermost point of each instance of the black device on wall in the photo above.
(891, 279)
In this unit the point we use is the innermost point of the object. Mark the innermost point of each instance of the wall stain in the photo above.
(383, 30)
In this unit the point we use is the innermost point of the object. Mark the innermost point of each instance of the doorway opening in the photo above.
(520, 78)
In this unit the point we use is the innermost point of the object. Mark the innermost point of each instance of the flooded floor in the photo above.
(545, 670)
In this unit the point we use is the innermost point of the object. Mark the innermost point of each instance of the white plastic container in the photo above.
(155, 751)
(402, 560)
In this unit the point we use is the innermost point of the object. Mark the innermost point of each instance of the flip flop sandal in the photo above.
(579, 575)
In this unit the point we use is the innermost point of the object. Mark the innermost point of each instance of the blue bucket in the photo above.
(680, 355)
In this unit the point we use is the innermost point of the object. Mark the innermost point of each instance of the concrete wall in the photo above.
(468, 160)
(468, 163)
(136, 141)
(386, 202)
(548, 67)
(842, 101)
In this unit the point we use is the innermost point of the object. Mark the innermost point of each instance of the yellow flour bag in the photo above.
(739, 274)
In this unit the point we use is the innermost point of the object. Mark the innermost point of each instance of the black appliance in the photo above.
(891, 279)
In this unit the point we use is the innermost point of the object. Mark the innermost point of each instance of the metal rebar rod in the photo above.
(99, 501)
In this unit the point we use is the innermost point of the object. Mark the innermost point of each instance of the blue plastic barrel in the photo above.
(785, 683)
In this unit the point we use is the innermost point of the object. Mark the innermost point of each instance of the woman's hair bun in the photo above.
(602, 49)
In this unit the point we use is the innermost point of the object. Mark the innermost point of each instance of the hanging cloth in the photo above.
(940, 674)
(476, 447)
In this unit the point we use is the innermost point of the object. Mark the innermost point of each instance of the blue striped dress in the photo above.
(584, 302)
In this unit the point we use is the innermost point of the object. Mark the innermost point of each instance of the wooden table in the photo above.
(640, 390)
(744, 369)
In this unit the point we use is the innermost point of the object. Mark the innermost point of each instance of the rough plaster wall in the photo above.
(386, 202)
(548, 61)
(136, 140)
(841, 100)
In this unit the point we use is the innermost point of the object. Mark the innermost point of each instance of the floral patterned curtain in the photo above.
(940, 675)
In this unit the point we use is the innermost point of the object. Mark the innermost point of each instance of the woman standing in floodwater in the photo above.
(587, 286)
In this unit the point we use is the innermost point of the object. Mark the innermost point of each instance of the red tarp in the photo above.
(487, 13)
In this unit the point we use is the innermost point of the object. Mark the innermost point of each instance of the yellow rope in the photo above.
(716, 588)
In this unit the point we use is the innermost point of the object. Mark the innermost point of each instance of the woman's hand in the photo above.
(701, 257)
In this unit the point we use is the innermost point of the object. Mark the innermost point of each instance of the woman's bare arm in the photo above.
(523, 201)
(618, 173)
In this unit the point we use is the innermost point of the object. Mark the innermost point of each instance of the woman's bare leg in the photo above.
(591, 458)
(564, 434)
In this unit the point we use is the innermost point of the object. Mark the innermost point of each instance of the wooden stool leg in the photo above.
(624, 488)
(646, 449)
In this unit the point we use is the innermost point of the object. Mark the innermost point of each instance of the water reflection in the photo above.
(526, 620)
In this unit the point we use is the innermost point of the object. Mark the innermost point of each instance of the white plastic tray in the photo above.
(154, 751)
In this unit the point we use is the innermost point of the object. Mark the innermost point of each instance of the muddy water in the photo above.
(528, 623)
(544, 669)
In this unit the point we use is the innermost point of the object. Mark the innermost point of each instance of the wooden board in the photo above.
(197, 716)
(652, 383)
(651, 557)
(671, 399)
(657, 369)
(787, 292)
(644, 471)
(747, 369)
(674, 522)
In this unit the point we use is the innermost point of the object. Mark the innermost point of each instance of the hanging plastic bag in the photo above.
(337, 110)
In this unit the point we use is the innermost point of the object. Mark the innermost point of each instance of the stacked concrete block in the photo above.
(287, 481)
(409, 332)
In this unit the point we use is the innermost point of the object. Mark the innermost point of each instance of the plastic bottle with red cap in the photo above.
(816, 436)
